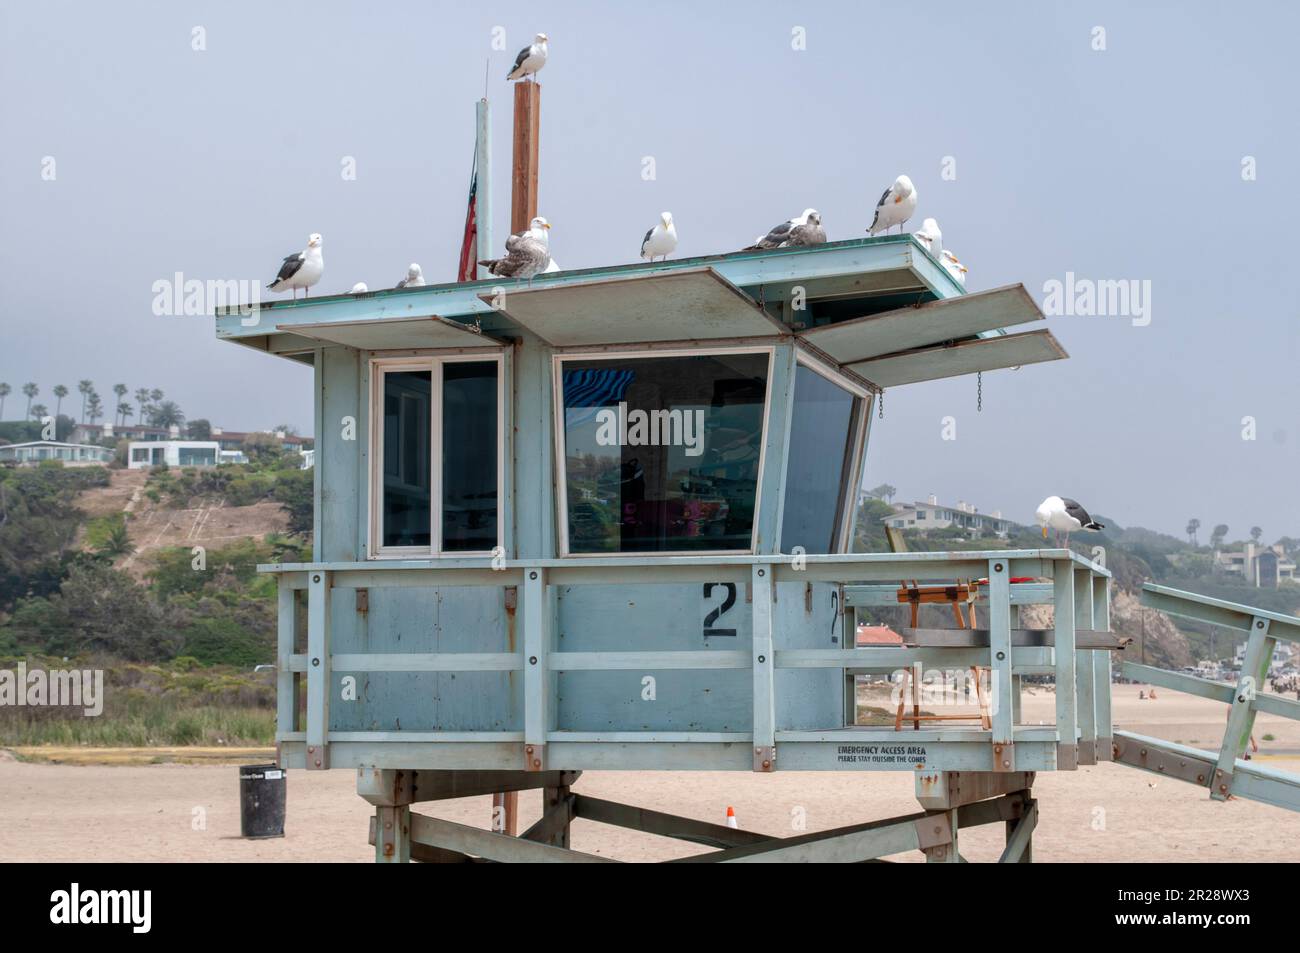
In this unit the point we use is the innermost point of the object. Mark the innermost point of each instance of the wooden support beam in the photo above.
(524, 168)
(665, 825)
(1019, 849)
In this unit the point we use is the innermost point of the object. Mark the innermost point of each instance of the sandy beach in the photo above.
(1107, 812)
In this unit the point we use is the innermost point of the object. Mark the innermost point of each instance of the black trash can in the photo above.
(261, 800)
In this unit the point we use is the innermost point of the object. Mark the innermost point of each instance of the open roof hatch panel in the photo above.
(385, 334)
(960, 358)
(689, 305)
(935, 322)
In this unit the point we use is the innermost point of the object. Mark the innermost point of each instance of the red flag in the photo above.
(469, 243)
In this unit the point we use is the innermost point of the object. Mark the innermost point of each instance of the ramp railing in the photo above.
(1224, 772)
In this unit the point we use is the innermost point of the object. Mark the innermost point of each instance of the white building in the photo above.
(35, 452)
(173, 453)
(932, 515)
(1261, 566)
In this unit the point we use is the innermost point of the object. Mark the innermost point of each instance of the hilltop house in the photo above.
(35, 452)
(932, 515)
(1261, 566)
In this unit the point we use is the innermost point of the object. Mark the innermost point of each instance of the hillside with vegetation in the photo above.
(152, 577)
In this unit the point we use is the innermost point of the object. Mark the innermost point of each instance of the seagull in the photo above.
(895, 207)
(530, 59)
(954, 267)
(527, 253)
(661, 240)
(414, 277)
(301, 270)
(780, 234)
(1064, 515)
(930, 236)
(809, 233)
(359, 288)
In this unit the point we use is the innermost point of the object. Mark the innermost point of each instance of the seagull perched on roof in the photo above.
(779, 236)
(954, 267)
(895, 207)
(359, 288)
(527, 253)
(930, 236)
(301, 270)
(808, 233)
(414, 277)
(1064, 515)
(661, 240)
(530, 59)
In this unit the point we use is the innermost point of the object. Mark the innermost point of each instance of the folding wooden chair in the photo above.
(912, 686)
(962, 593)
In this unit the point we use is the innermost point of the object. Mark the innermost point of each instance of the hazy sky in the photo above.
(1117, 164)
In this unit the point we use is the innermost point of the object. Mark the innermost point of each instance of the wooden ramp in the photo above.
(1224, 772)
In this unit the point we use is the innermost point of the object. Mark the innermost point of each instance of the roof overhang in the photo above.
(383, 334)
(690, 305)
(926, 324)
(960, 358)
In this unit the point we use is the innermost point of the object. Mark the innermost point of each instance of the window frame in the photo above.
(854, 455)
(433, 362)
(618, 353)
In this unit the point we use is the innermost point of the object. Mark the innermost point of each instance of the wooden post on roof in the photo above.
(523, 209)
(523, 175)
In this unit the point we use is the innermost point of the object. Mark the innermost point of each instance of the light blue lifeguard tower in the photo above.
(604, 521)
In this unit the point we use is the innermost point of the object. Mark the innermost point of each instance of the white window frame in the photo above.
(848, 502)
(433, 363)
(562, 470)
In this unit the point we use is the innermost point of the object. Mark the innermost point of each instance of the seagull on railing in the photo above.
(1065, 516)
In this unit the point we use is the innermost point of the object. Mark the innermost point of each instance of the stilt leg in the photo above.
(393, 834)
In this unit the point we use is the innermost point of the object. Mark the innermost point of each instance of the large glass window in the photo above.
(819, 463)
(469, 457)
(661, 454)
(439, 456)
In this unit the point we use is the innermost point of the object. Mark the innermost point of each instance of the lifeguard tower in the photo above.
(604, 522)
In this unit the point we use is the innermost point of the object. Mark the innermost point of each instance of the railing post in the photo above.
(286, 711)
(318, 669)
(1001, 687)
(764, 722)
(537, 625)
(1100, 594)
(1067, 749)
(1241, 717)
(1084, 662)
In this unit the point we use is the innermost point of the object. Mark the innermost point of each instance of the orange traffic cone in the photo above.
(731, 818)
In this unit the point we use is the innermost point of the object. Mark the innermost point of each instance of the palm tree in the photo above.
(31, 390)
(1192, 526)
(155, 395)
(84, 387)
(883, 492)
(1219, 535)
(166, 414)
(141, 402)
(5, 391)
(124, 410)
(119, 391)
(1256, 533)
(94, 407)
(39, 411)
(60, 392)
